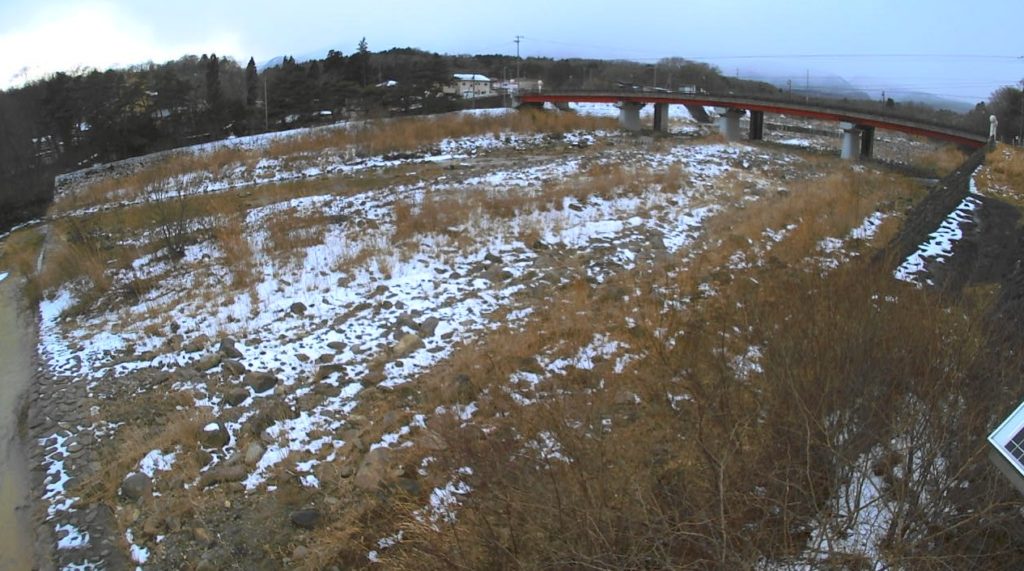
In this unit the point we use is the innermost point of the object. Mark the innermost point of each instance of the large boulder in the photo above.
(253, 454)
(223, 474)
(135, 486)
(373, 469)
(214, 435)
(326, 370)
(305, 519)
(196, 345)
(207, 362)
(406, 345)
(228, 349)
(261, 382)
(428, 326)
(236, 395)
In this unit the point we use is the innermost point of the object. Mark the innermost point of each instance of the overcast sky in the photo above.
(870, 41)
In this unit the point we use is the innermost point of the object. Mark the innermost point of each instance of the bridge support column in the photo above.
(629, 115)
(729, 123)
(851, 141)
(661, 117)
(756, 125)
(867, 142)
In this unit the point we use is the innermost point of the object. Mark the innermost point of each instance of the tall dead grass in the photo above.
(688, 461)
(728, 442)
(369, 138)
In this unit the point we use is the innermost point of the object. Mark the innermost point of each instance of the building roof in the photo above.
(471, 77)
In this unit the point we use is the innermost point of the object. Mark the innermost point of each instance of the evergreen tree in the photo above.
(252, 83)
(213, 94)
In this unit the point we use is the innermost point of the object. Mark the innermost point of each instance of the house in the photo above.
(1007, 451)
(469, 86)
(514, 86)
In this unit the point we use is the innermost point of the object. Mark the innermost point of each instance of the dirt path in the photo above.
(15, 377)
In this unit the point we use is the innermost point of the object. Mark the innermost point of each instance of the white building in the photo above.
(469, 86)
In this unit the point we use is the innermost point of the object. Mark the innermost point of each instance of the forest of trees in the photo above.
(70, 120)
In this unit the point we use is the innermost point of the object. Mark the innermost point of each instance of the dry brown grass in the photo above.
(941, 161)
(1002, 175)
(734, 471)
(366, 139)
(175, 429)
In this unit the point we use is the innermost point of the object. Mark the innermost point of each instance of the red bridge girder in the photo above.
(810, 110)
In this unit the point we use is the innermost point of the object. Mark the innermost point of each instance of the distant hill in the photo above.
(832, 85)
(299, 58)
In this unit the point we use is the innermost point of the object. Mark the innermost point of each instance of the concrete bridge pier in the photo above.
(851, 141)
(858, 141)
(729, 123)
(629, 115)
(661, 117)
(867, 142)
(756, 125)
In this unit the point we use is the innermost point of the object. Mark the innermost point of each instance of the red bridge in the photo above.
(858, 125)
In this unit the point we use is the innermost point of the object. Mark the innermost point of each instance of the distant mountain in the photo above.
(936, 101)
(813, 83)
(832, 85)
(299, 58)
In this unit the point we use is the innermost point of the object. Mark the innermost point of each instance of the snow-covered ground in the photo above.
(337, 314)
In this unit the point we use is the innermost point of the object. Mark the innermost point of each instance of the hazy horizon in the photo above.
(929, 47)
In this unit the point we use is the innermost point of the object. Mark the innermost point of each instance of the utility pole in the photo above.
(517, 40)
(1020, 137)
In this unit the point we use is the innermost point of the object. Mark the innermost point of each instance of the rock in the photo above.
(406, 345)
(325, 359)
(405, 320)
(346, 471)
(305, 519)
(233, 367)
(409, 486)
(223, 474)
(228, 349)
(214, 435)
(253, 454)
(261, 382)
(196, 345)
(236, 396)
(373, 469)
(378, 361)
(152, 526)
(269, 413)
(207, 362)
(297, 308)
(374, 377)
(428, 326)
(137, 485)
(337, 346)
(492, 258)
(300, 553)
(329, 391)
(327, 370)
(202, 536)
(207, 564)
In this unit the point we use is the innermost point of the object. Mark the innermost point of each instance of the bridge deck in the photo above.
(781, 106)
